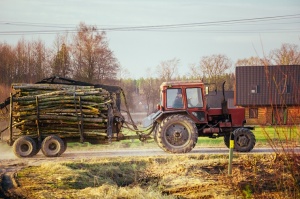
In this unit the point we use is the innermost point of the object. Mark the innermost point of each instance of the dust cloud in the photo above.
(6, 151)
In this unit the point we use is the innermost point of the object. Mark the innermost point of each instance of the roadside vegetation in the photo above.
(188, 176)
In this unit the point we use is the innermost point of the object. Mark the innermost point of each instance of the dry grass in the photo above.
(190, 176)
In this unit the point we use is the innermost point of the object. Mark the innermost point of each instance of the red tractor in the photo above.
(184, 115)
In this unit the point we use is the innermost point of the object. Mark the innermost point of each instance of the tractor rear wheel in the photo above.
(24, 147)
(53, 146)
(177, 134)
(244, 140)
(154, 133)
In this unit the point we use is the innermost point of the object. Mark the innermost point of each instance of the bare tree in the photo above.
(108, 65)
(7, 57)
(123, 73)
(252, 61)
(24, 64)
(93, 60)
(167, 70)
(30, 61)
(40, 66)
(288, 54)
(214, 66)
(150, 88)
(195, 72)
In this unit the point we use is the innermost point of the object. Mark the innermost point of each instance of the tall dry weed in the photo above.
(284, 134)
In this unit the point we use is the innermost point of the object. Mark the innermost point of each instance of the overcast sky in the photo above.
(138, 50)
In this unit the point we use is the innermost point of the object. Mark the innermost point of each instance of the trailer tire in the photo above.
(53, 146)
(244, 140)
(24, 147)
(38, 147)
(65, 145)
(177, 134)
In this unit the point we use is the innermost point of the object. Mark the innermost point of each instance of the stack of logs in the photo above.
(65, 110)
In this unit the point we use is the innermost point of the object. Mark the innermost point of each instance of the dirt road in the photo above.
(7, 155)
(8, 161)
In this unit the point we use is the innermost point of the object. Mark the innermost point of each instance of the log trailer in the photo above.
(47, 115)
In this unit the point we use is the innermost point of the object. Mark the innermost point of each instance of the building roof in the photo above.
(267, 85)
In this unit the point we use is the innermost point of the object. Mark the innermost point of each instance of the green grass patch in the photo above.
(264, 136)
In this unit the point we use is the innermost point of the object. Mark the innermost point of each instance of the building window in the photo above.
(253, 113)
(255, 89)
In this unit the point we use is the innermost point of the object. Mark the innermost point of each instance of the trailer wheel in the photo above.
(65, 145)
(24, 147)
(177, 134)
(38, 147)
(53, 146)
(244, 140)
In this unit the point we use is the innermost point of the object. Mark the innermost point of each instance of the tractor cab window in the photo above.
(174, 98)
(194, 97)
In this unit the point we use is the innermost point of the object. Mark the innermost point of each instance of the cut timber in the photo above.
(62, 110)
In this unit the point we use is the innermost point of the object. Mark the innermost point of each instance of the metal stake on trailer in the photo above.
(38, 120)
(11, 120)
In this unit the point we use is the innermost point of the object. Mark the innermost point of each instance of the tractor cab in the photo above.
(184, 97)
(180, 97)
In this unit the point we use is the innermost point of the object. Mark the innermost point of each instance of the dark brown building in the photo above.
(270, 94)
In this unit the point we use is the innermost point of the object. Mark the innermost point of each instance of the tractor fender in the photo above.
(158, 116)
(150, 119)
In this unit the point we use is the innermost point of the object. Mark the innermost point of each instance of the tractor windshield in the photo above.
(194, 97)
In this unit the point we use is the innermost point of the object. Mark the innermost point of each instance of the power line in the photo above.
(238, 21)
(167, 27)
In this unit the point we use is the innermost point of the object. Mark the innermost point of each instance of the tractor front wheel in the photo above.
(177, 134)
(244, 140)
